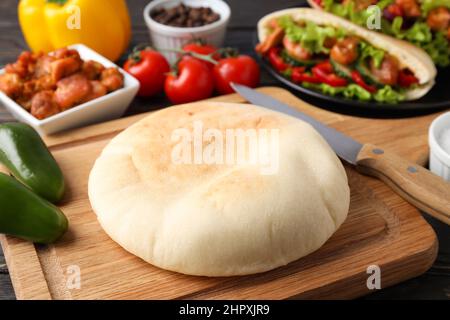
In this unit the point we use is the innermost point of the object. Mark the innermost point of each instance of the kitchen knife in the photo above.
(414, 183)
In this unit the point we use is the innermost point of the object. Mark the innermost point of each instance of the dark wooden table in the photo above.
(435, 284)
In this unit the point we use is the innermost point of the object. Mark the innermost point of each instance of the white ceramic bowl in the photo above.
(439, 158)
(111, 106)
(168, 37)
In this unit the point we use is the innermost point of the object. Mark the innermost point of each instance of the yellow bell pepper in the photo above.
(103, 25)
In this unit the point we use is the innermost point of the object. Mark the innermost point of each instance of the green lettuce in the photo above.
(311, 36)
(351, 91)
(436, 45)
(387, 94)
(366, 51)
(418, 33)
(348, 10)
(439, 49)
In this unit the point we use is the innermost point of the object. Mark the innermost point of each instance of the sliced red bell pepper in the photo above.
(324, 72)
(299, 75)
(276, 60)
(406, 79)
(356, 76)
(325, 66)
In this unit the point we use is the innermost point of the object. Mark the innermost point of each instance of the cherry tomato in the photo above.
(205, 49)
(193, 82)
(150, 68)
(241, 69)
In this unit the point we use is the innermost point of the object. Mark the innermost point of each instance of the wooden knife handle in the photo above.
(414, 183)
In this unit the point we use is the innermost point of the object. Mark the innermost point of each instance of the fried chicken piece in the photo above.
(72, 90)
(43, 66)
(98, 90)
(24, 66)
(65, 67)
(92, 69)
(112, 79)
(11, 84)
(66, 53)
(43, 105)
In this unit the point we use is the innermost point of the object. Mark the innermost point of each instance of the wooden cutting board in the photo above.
(381, 229)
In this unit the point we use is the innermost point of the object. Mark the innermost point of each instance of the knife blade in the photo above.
(414, 183)
(345, 147)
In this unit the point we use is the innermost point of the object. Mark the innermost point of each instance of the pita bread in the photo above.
(219, 219)
(410, 56)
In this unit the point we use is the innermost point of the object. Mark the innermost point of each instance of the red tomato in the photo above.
(241, 69)
(150, 68)
(205, 49)
(193, 82)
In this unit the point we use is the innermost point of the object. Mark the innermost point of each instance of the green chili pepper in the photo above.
(26, 215)
(24, 153)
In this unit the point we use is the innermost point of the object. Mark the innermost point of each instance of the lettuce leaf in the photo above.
(368, 50)
(311, 36)
(352, 91)
(435, 44)
(439, 49)
(389, 95)
(417, 34)
(349, 11)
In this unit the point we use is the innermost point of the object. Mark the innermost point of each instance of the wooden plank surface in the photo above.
(381, 229)
(434, 284)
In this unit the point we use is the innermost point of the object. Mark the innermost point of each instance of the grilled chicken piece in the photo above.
(388, 72)
(295, 50)
(112, 79)
(72, 90)
(11, 84)
(92, 69)
(439, 19)
(345, 51)
(273, 40)
(43, 105)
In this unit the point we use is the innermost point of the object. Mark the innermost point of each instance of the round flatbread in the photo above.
(219, 219)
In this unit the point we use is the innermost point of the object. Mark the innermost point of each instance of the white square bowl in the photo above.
(109, 107)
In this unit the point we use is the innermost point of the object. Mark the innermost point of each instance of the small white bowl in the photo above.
(439, 158)
(168, 37)
(111, 106)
